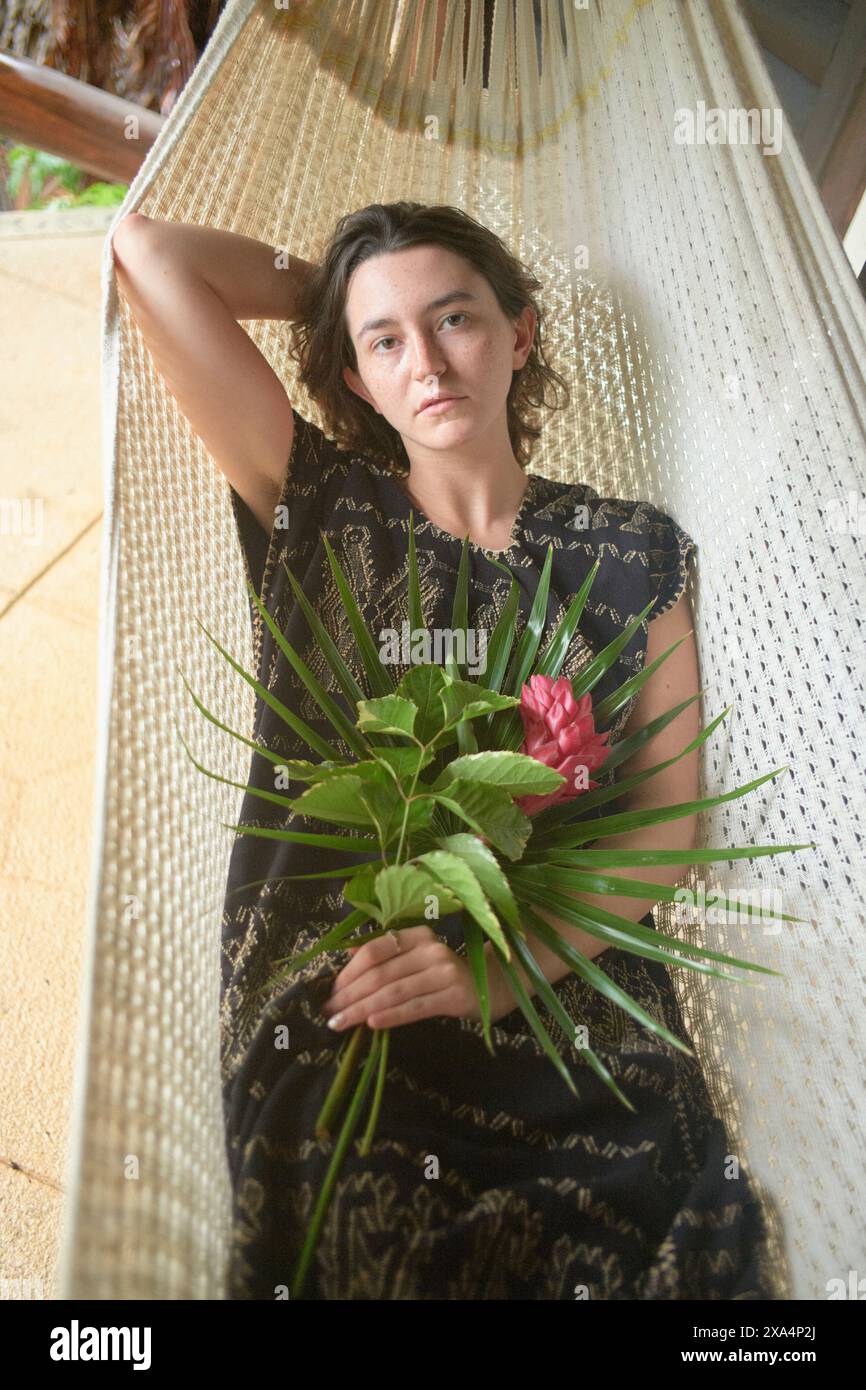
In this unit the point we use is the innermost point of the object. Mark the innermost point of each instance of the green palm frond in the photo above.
(501, 642)
(303, 730)
(416, 613)
(551, 659)
(558, 815)
(607, 709)
(381, 683)
(434, 773)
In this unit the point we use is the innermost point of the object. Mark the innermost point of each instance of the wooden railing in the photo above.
(104, 134)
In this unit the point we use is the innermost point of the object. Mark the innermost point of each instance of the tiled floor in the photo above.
(50, 532)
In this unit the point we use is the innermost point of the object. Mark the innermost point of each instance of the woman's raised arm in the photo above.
(187, 286)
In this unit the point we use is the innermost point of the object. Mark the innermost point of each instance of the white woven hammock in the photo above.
(714, 339)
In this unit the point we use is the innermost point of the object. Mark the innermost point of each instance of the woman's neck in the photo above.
(484, 504)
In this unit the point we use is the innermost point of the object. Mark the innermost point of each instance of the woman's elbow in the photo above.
(127, 236)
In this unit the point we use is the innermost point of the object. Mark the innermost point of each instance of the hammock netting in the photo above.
(713, 337)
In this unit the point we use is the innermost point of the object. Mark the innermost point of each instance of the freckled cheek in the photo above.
(377, 378)
(478, 345)
(390, 390)
(481, 359)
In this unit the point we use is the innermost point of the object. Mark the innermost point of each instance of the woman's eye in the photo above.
(456, 315)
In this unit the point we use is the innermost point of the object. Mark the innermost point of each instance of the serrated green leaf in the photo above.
(490, 812)
(360, 891)
(405, 762)
(388, 809)
(515, 773)
(402, 891)
(463, 700)
(421, 686)
(389, 714)
(371, 770)
(454, 875)
(487, 869)
(338, 800)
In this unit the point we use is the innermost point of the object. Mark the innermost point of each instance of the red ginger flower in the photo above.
(560, 732)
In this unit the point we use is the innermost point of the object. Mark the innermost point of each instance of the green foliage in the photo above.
(45, 175)
(450, 834)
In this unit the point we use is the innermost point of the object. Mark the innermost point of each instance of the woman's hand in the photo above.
(402, 977)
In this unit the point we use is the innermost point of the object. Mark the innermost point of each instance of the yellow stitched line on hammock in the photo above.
(330, 57)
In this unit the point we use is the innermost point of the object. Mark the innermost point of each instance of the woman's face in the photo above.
(426, 325)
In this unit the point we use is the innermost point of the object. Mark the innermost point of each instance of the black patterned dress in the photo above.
(488, 1179)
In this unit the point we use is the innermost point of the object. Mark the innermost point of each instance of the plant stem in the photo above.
(369, 1133)
(339, 1084)
(346, 1133)
(407, 800)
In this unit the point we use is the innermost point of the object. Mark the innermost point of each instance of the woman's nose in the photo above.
(426, 361)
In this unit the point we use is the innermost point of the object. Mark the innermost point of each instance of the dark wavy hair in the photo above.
(322, 344)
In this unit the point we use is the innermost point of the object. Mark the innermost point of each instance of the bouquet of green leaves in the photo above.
(476, 791)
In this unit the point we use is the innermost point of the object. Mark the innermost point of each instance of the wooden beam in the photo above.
(102, 133)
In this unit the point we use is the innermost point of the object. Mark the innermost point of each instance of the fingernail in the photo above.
(335, 1021)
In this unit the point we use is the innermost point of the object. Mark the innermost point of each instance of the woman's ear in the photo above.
(354, 383)
(525, 324)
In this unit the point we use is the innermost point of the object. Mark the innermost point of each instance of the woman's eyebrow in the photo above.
(373, 324)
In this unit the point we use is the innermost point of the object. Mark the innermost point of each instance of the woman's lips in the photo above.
(438, 405)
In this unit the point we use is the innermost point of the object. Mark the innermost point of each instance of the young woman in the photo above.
(419, 336)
